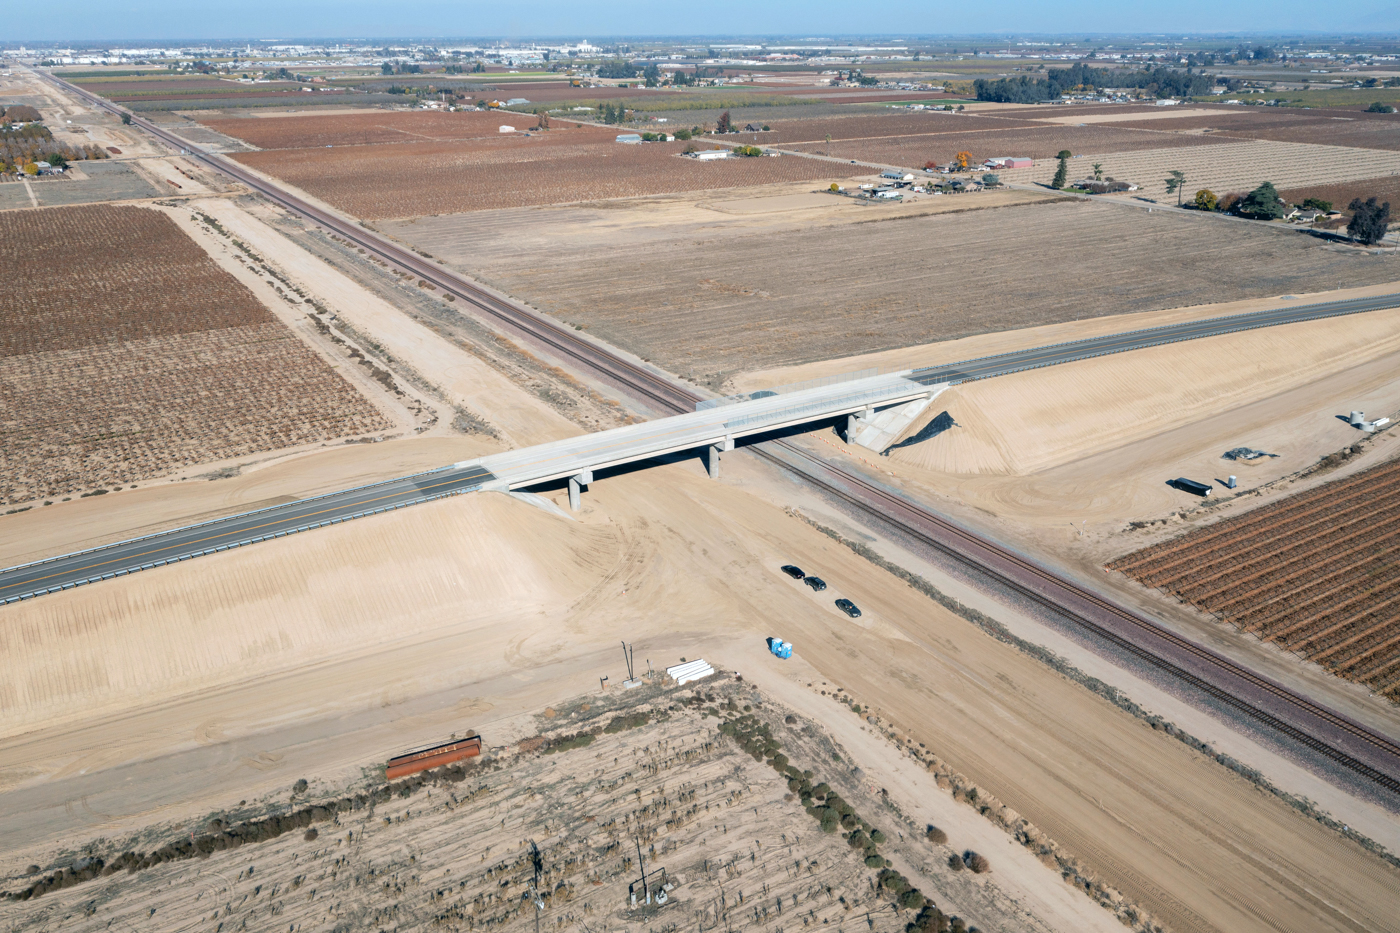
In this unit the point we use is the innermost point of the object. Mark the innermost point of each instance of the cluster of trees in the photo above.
(1370, 219)
(611, 114)
(23, 147)
(617, 68)
(1025, 89)
(399, 68)
(20, 113)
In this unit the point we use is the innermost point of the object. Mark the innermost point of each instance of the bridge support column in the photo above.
(853, 421)
(576, 484)
(712, 461)
(712, 453)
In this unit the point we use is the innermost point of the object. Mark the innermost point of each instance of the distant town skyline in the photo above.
(164, 20)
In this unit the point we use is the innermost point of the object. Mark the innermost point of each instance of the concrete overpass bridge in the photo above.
(874, 405)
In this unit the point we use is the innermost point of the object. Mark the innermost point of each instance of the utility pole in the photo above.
(642, 868)
(627, 656)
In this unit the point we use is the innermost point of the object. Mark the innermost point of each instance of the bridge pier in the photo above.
(712, 453)
(853, 421)
(576, 484)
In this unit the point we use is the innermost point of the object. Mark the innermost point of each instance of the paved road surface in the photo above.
(185, 543)
(157, 550)
(1005, 363)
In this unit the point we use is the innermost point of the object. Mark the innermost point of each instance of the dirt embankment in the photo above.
(683, 566)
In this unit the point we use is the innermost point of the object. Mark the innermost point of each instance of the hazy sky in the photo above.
(176, 19)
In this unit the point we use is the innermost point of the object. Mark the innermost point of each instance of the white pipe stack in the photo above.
(691, 670)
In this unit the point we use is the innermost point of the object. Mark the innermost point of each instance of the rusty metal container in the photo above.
(434, 757)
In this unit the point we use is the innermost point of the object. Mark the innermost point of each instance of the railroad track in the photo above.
(1291, 715)
(1019, 575)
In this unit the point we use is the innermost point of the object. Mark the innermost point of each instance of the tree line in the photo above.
(1025, 89)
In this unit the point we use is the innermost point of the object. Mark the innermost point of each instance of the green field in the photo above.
(1340, 97)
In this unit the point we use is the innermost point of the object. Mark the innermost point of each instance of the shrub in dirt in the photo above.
(929, 920)
(913, 899)
(874, 861)
(977, 862)
(955, 862)
(892, 881)
(629, 721)
(311, 835)
(821, 790)
(877, 837)
(935, 835)
(300, 786)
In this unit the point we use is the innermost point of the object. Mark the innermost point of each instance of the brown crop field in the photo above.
(1340, 195)
(1317, 573)
(896, 124)
(1037, 142)
(417, 179)
(129, 363)
(1361, 130)
(358, 129)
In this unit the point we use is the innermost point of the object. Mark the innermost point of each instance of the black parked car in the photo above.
(794, 572)
(848, 607)
(816, 583)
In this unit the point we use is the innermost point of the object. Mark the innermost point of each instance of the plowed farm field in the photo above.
(1361, 130)
(1340, 195)
(129, 363)
(1317, 573)
(1235, 167)
(737, 305)
(358, 129)
(418, 179)
(1036, 141)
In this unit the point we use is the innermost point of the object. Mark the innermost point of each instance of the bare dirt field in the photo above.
(1239, 167)
(111, 376)
(1096, 440)
(734, 305)
(1314, 573)
(1037, 141)
(414, 179)
(430, 600)
(302, 131)
(561, 813)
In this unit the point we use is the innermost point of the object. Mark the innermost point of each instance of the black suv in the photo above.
(816, 583)
(848, 607)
